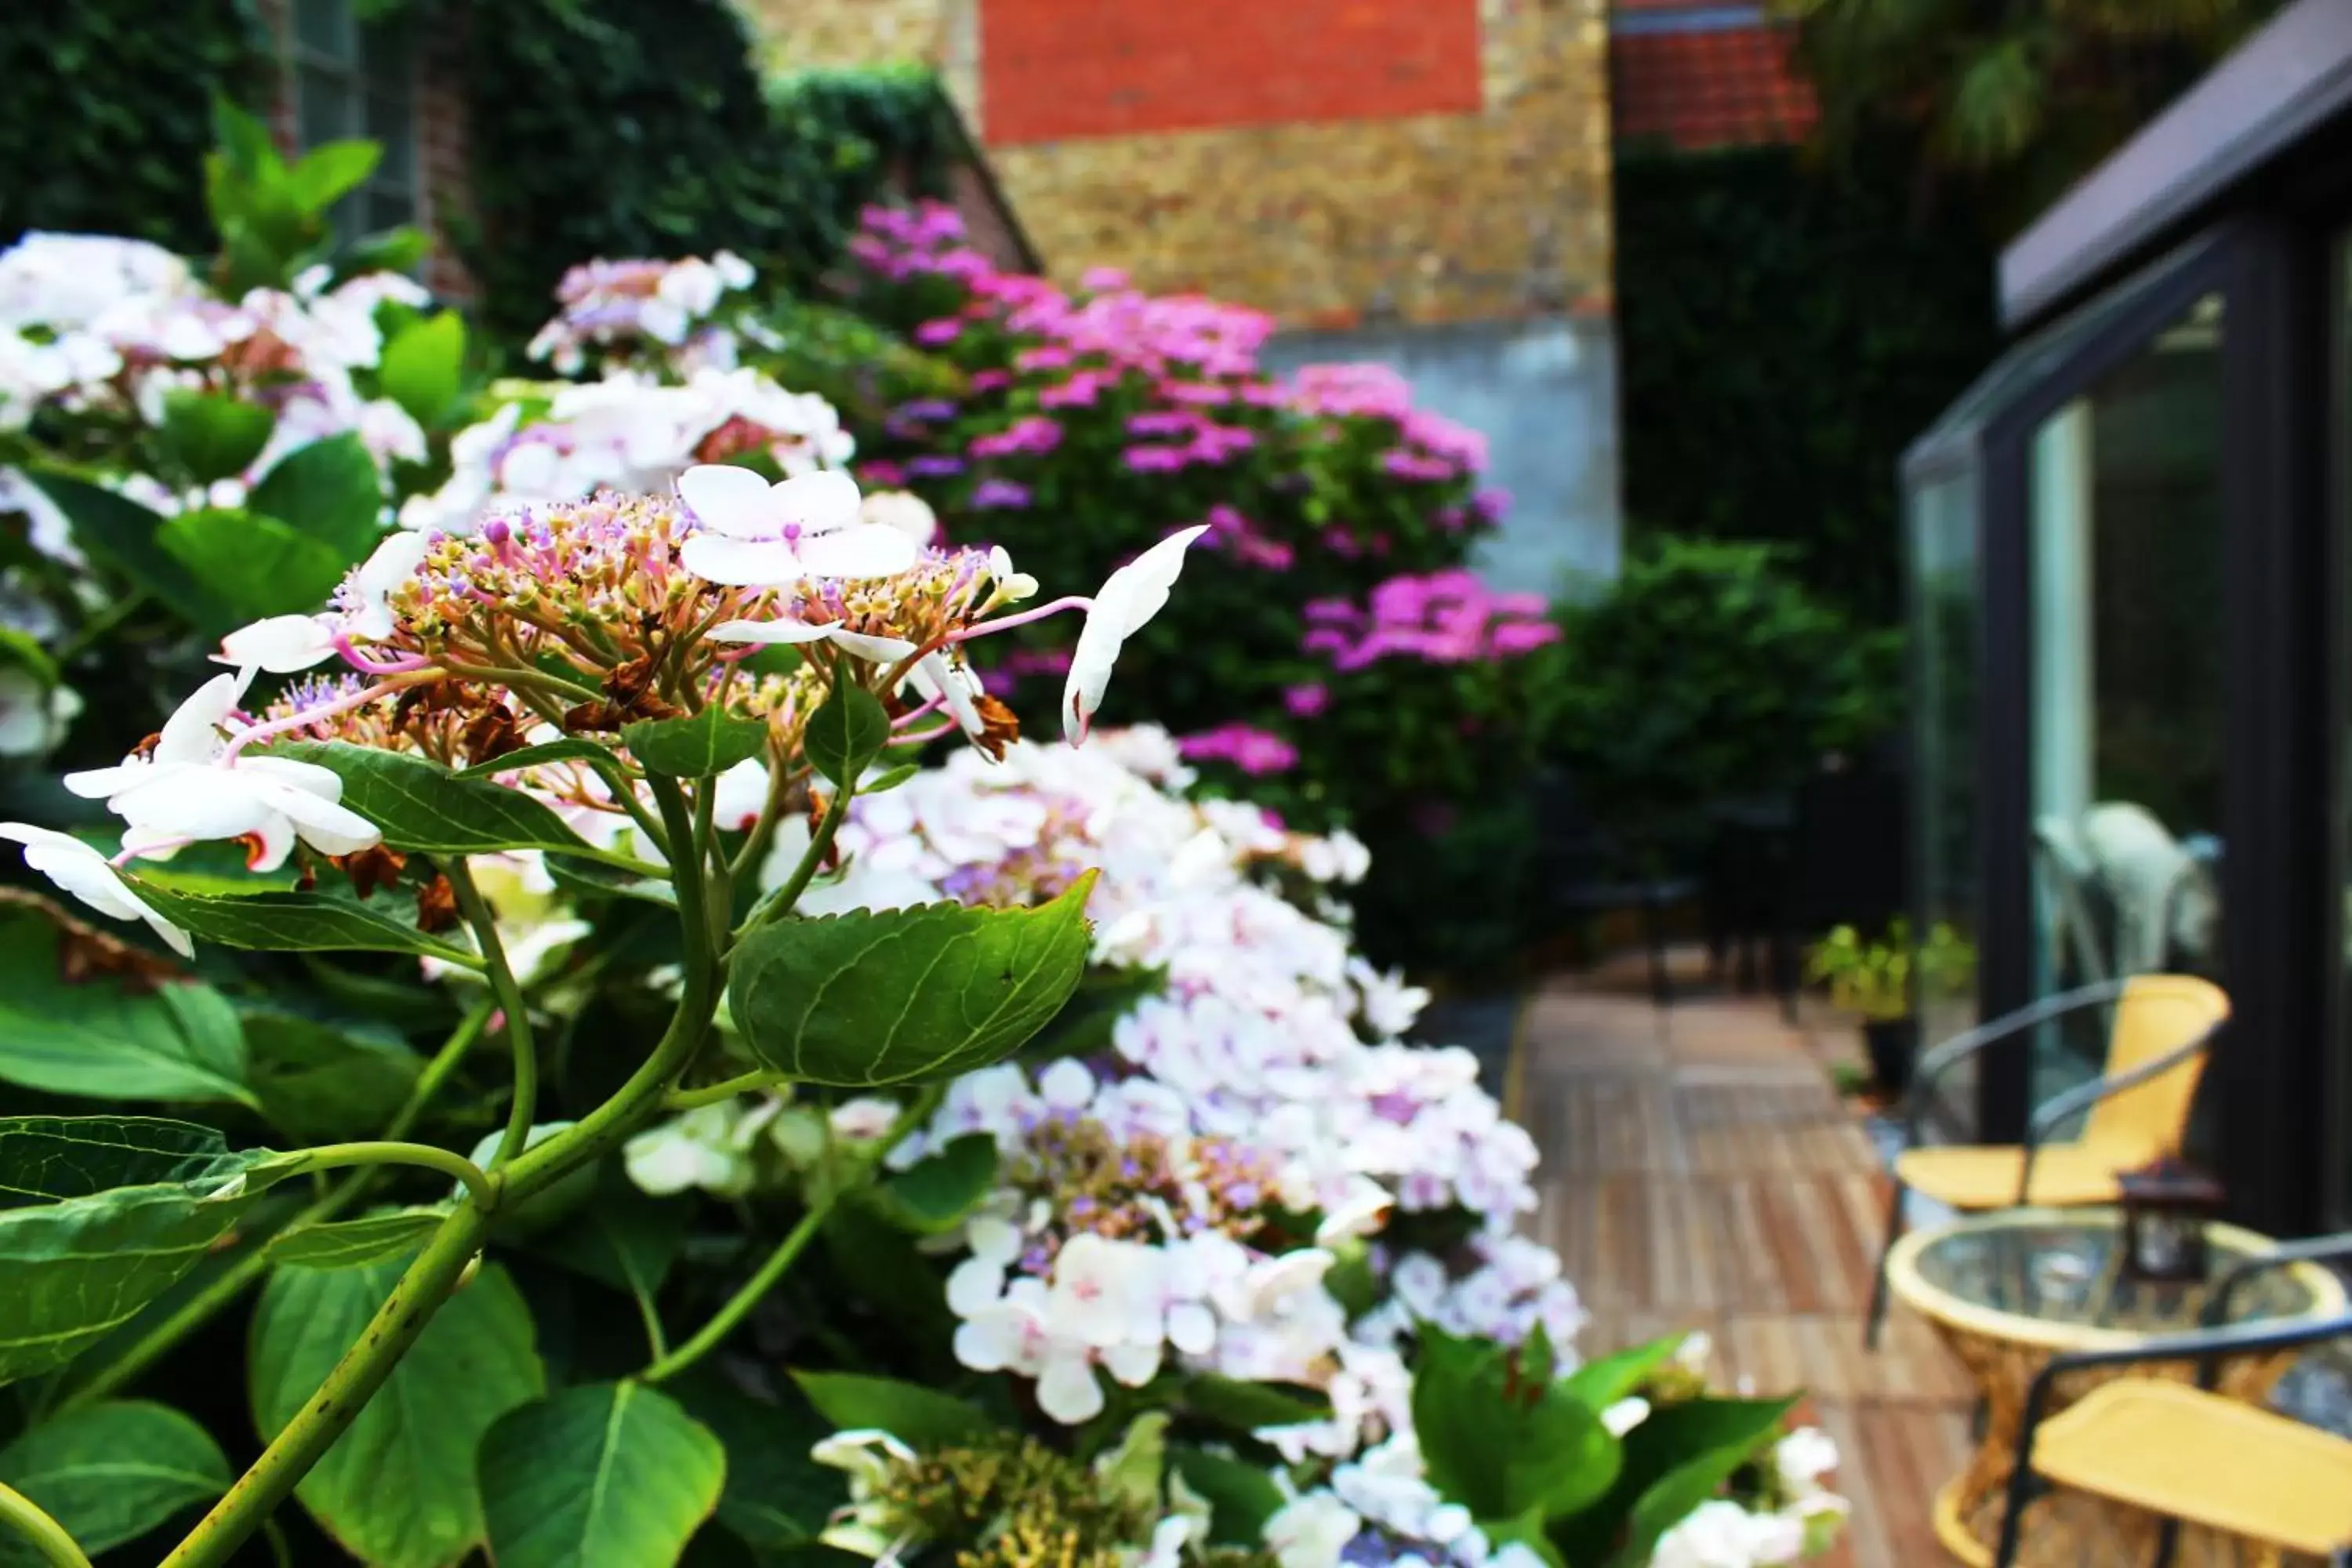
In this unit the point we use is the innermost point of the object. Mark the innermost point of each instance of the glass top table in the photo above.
(2006, 1292)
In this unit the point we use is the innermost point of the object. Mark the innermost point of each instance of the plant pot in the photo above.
(1892, 1043)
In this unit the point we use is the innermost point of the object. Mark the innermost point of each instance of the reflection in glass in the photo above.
(2126, 632)
(1944, 527)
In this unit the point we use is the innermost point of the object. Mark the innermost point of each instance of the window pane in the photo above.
(388, 209)
(1944, 526)
(325, 26)
(389, 122)
(323, 107)
(2336, 1201)
(2127, 648)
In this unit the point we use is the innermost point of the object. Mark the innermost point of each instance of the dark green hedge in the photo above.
(628, 128)
(1783, 335)
(106, 112)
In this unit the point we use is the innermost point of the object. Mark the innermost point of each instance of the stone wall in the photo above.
(1334, 161)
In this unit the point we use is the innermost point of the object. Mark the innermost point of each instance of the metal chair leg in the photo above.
(1876, 1317)
(2020, 1491)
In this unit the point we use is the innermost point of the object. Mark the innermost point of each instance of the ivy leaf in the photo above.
(251, 564)
(101, 1038)
(110, 1472)
(917, 1416)
(330, 493)
(422, 805)
(888, 997)
(610, 1475)
(212, 435)
(369, 1239)
(76, 1262)
(422, 366)
(700, 747)
(398, 1489)
(846, 732)
(293, 922)
(118, 529)
(933, 1195)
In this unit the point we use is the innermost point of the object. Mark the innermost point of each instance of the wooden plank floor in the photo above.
(1700, 1173)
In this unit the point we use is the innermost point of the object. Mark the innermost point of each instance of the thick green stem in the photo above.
(725, 1089)
(342, 1156)
(353, 1382)
(253, 1262)
(779, 902)
(602, 1130)
(780, 1262)
(26, 1519)
(478, 915)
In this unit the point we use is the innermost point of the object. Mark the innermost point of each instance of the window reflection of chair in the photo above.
(2139, 1110)
(2072, 885)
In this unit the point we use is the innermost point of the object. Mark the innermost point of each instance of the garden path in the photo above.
(1699, 1172)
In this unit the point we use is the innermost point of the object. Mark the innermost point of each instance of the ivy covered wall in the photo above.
(1783, 334)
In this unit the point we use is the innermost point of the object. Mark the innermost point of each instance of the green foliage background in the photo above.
(1758, 403)
(107, 113)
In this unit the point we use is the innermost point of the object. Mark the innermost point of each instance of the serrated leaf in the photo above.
(1498, 1449)
(933, 1195)
(595, 878)
(888, 997)
(212, 435)
(253, 564)
(398, 1489)
(422, 366)
(370, 1239)
(623, 1238)
(48, 1158)
(110, 1472)
(610, 1475)
(700, 747)
(119, 531)
(104, 1039)
(846, 732)
(1241, 1495)
(329, 491)
(1601, 1383)
(329, 171)
(295, 922)
(564, 751)
(421, 805)
(882, 783)
(75, 1268)
(1696, 1451)
(917, 1416)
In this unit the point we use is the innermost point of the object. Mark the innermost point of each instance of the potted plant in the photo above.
(1880, 982)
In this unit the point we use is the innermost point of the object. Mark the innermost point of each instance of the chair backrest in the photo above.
(2158, 1013)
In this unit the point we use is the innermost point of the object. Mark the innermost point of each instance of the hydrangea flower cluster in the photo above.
(104, 330)
(619, 309)
(1440, 617)
(1380, 1511)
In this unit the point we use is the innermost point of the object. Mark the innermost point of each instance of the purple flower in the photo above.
(878, 475)
(993, 494)
(991, 380)
(925, 410)
(935, 466)
(1306, 701)
(1255, 752)
(1032, 434)
(936, 333)
(1155, 459)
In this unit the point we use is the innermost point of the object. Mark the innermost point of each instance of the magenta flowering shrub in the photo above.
(1329, 651)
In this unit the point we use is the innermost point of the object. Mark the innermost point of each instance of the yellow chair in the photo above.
(2139, 1110)
(2190, 1453)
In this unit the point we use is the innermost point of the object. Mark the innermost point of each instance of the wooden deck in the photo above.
(1700, 1173)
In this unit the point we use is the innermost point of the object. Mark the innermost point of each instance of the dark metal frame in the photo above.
(2046, 1117)
(2208, 1347)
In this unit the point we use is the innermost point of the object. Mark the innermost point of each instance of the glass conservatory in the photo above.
(2129, 576)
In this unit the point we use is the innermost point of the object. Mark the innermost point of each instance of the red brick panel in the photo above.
(1056, 69)
(1708, 89)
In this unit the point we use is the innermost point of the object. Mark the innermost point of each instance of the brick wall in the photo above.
(1329, 161)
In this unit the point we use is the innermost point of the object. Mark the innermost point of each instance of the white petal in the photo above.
(820, 503)
(193, 803)
(1140, 588)
(975, 1285)
(768, 632)
(935, 678)
(273, 840)
(280, 645)
(739, 563)
(191, 733)
(730, 500)
(864, 550)
(1135, 1362)
(1067, 1391)
(308, 777)
(104, 783)
(1624, 1415)
(997, 1240)
(393, 562)
(1191, 1328)
(329, 829)
(877, 650)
